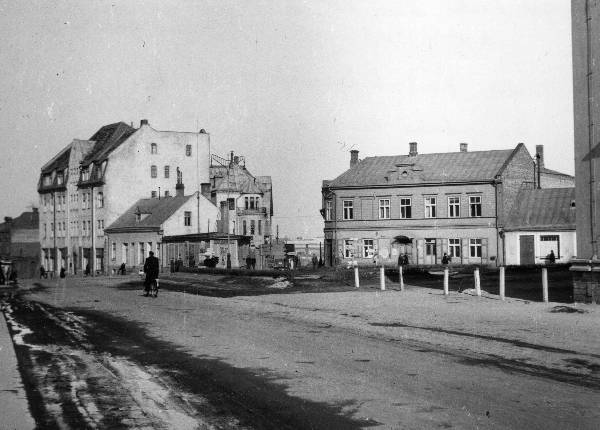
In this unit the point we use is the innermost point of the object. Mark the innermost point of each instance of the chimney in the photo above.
(353, 158)
(463, 147)
(179, 188)
(205, 189)
(35, 210)
(413, 149)
(143, 123)
(539, 150)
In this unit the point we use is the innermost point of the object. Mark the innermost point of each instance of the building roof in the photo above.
(239, 180)
(547, 171)
(543, 209)
(59, 162)
(154, 213)
(426, 168)
(107, 139)
(25, 221)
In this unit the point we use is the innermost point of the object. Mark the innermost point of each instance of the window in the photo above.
(153, 194)
(454, 247)
(348, 209)
(384, 208)
(188, 150)
(231, 204)
(100, 199)
(430, 247)
(166, 171)
(259, 227)
(475, 248)
(550, 242)
(453, 207)
(475, 206)
(368, 248)
(328, 210)
(153, 148)
(142, 256)
(244, 228)
(187, 218)
(59, 178)
(167, 193)
(85, 174)
(430, 203)
(51, 229)
(252, 226)
(100, 226)
(59, 232)
(405, 207)
(113, 251)
(47, 180)
(348, 248)
(44, 230)
(153, 172)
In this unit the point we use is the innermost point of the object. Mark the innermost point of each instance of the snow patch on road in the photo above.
(281, 284)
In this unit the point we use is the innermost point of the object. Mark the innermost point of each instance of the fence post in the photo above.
(401, 277)
(446, 274)
(356, 280)
(502, 283)
(477, 283)
(382, 277)
(545, 284)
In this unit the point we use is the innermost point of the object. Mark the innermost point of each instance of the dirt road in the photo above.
(97, 354)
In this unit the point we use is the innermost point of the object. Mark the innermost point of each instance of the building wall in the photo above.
(549, 180)
(131, 249)
(209, 213)
(568, 246)
(586, 103)
(517, 171)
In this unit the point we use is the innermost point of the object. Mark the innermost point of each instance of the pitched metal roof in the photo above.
(543, 209)
(426, 168)
(157, 211)
(107, 139)
(59, 162)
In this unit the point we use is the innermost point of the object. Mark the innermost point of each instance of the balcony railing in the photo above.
(256, 211)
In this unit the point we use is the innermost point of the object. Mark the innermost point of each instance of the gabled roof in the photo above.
(59, 162)
(547, 171)
(239, 180)
(157, 211)
(426, 168)
(543, 209)
(107, 139)
(25, 221)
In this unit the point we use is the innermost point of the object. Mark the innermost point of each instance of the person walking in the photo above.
(151, 269)
(315, 261)
(551, 257)
(445, 259)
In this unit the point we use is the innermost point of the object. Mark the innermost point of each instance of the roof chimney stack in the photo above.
(143, 122)
(539, 150)
(463, 147)
(353, 158)
(413, 149)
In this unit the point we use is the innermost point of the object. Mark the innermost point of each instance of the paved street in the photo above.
(97, 354)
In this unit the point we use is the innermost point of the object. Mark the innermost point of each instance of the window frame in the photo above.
(475, 207)
(384, 209)
(153, 171)
(453, 206)
(167, 171)
(328, 210)
(153, 148)
(430, 207)
(348, 210)
(477, 246)
(454, 246)
(187, 218)
(405, 210)
(348, 248)
(188, 150)
(368, 248)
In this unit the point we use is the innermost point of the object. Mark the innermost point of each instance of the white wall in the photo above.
(208, 214)
(568, 246)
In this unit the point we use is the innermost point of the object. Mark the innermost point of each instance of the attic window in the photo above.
(404, 174)
(572, 203)
(153, 148)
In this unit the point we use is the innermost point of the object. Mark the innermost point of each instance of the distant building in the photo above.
(425, 206)
(19, 242)
(542, 220)
(90, 183)
(245, 200)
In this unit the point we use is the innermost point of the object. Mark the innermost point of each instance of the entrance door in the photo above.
(329, 252)
(430, 251)
(526, 245)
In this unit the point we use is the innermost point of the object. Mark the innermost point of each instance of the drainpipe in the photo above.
(93, 231)
(55, 268)
(539, 183)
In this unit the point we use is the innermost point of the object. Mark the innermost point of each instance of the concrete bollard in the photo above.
(356, 280)
(446, 275)
(401, 276)
(545, 284)
(502, 283)
(382, 278)
(477, 283)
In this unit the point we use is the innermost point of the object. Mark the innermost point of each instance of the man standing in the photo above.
(151, 271)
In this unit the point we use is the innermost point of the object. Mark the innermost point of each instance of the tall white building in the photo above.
(90, 183)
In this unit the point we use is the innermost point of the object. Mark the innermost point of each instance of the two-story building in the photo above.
(423, 206)
(90, 183)
(19, 242)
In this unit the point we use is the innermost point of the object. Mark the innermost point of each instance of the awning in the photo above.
(403, 240)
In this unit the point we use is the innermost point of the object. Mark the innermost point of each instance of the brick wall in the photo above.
(518, 171)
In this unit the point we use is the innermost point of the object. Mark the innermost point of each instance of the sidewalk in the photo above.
(14, 408)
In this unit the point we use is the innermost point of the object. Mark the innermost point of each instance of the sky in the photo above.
(290, 85)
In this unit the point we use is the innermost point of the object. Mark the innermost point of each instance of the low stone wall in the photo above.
(586, 281)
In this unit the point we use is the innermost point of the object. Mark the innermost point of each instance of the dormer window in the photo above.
(47, 180)
(153, 148)
(85, 174)
(59, 178)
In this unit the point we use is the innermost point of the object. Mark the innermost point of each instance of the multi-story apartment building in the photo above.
(424, 206)
(19, 242)
(246, 201)
(90, 183)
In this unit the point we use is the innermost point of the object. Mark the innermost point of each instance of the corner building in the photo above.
(90, 183)
(424, 205)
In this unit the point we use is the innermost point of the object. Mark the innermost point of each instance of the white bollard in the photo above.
(446, 275)
(356, 281)
(382, 278)
(545, 284)
(477, 284)
(401, 278)
(502, 283)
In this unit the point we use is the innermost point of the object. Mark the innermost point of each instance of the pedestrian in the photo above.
(12, 277)
(87, 269)
(122, 269)
(405, 260)
(43, 272)
(445, 259)
(2, 277)
(400, 260)
(151, 269)
(63, 273)
(315, 261)
(551, 257)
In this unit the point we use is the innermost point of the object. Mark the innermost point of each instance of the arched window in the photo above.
(153, 148)
(153, 171)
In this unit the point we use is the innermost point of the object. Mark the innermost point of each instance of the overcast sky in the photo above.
(291, 85)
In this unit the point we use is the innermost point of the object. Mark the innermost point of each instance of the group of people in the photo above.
(8, 275)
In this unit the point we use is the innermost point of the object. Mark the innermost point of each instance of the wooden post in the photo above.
(545, 284)
(502, 283)
(382, 277)
(401, 276)
(477, 284)
(446, 275)
(356, 280)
